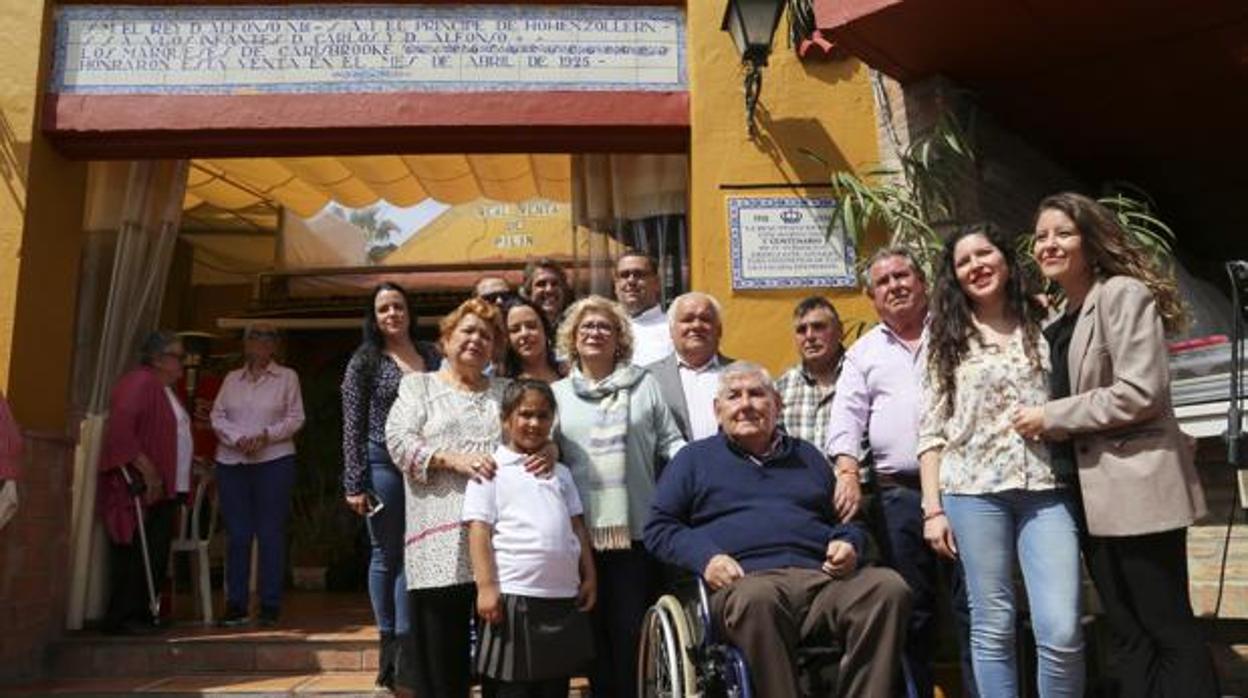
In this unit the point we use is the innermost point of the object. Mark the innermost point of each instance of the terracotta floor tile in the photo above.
(228, 684)
(86, 686)
(329, 683)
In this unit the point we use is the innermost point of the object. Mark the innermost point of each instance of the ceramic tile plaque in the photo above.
(367, 48)
(783, 242)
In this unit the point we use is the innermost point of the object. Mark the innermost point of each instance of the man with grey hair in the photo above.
(750, 510)
(689, 375)
(878, 398)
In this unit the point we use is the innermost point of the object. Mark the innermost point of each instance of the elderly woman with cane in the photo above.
(145, 466)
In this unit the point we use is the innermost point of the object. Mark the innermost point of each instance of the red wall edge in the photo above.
(162, 125)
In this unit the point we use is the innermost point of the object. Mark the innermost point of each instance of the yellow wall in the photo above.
(40, 230)
(823, 106)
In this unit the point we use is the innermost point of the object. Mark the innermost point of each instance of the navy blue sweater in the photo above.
(713, 499)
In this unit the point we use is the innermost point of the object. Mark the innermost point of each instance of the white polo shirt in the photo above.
(535, 550)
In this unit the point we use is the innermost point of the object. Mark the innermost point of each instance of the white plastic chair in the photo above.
(190, 540)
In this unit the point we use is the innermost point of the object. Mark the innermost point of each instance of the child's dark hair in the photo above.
(516, 390)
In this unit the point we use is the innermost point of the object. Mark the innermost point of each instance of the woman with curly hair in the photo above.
(1113, 428)
(990, 496)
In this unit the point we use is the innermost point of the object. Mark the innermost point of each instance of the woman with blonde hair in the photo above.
(1113, 430)
(615, 433)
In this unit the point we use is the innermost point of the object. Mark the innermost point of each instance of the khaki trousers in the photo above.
(768, 614)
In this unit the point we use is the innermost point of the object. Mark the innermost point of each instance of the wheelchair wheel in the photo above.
(663, 666)
(685, 641)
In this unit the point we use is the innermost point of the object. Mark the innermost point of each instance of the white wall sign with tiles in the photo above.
(374, 48)
(784, 242)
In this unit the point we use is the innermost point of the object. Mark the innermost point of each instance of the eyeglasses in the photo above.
(495, 297)
(592, 327)
(634, 274)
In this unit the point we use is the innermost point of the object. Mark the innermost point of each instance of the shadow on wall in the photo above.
(14, 155)
(783, 141)
(789, 144)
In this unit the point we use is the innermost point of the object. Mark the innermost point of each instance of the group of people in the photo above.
(549, 462)
(1000, 429)
(149, 454)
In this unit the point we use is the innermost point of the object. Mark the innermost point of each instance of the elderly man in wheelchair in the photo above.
(750, 510)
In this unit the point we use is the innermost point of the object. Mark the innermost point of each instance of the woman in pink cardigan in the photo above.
(145, 421)
(10, 452)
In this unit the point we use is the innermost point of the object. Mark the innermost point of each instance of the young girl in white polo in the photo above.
(531, 558)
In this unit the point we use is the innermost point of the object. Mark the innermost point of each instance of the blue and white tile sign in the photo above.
(367, 48)
(783, 242)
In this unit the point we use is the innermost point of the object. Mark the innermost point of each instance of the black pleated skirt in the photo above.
(536, 639)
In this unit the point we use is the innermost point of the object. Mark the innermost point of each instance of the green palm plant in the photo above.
(917, 203)
(914, 202)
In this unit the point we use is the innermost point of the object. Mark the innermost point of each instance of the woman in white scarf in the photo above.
(614, 432)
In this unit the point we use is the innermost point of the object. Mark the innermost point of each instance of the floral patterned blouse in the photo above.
(430, 415)
(366, 399)
(980, 452)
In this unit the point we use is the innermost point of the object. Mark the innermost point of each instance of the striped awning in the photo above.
(304, 186)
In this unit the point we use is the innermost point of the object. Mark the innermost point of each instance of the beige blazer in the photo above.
(1136, 469)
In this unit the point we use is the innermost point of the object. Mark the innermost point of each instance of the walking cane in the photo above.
(153, 601)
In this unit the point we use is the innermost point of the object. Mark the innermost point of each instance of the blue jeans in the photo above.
(387, 584)
(255, 503)
(1038, 529)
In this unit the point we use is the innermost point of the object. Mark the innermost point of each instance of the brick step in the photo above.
(271, 653)
(342, 684)
(358, 684)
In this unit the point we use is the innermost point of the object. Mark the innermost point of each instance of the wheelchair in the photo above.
(681, 656)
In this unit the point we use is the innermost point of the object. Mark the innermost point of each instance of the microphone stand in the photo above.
(1236, 448)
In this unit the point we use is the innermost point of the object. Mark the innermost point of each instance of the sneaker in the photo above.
(268, 617)
(234, 619)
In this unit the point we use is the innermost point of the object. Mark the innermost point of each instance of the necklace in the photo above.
(455, 380)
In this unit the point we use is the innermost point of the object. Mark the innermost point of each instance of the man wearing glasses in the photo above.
(637, 286)
(492, 289)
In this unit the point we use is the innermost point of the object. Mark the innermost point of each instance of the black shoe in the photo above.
(234, 619)
(268, 616)
(386, 662)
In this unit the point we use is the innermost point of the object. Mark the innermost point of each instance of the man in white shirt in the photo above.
(637, 286)
(689, 376)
